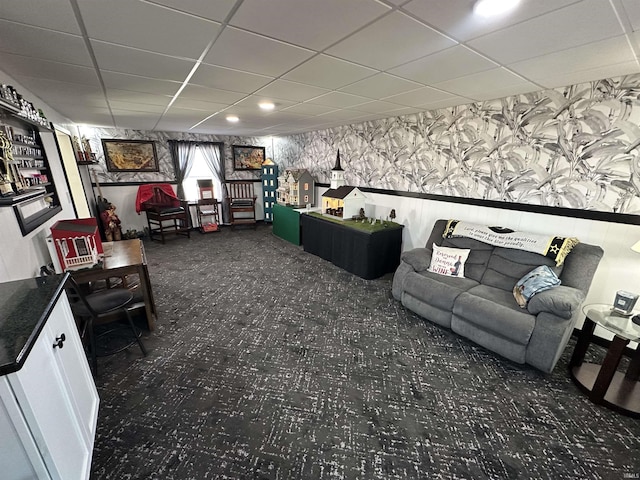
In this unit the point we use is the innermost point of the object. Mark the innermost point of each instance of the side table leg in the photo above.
(584, 339)
(608, 368)
(633, 371)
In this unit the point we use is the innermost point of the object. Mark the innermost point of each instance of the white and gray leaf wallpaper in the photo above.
(575, 147)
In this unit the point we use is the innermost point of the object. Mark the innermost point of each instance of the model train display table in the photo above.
(366, 250)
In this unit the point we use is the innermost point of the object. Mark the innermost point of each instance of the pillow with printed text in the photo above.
(448, 261)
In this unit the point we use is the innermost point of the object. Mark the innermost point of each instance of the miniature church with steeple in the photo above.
(341, 201)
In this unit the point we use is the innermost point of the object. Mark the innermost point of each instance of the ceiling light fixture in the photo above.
(232, 119)
(491, 8)
(266, 105)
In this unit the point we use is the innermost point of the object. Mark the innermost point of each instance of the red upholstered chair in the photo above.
(166, 213)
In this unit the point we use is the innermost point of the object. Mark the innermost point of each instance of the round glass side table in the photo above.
(604, 384)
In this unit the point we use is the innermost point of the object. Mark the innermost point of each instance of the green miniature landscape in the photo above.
(358, 225)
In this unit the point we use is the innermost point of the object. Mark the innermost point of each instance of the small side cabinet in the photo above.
(49, 408)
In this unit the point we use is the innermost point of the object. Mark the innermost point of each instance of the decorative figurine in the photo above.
(111, 224)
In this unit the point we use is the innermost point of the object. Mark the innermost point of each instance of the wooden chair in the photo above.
(242, 203)
(166, 214)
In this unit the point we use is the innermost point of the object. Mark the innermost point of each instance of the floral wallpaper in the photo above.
(575, 147)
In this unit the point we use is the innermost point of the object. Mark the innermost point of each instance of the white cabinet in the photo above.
(49, 408)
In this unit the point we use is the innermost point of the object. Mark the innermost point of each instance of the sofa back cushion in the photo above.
(506, 266)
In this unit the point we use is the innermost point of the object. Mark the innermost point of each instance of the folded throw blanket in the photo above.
(556, 248)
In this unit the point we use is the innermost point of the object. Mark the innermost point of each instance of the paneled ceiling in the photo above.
(185, 65)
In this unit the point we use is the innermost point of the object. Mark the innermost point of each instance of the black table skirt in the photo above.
(368, 255)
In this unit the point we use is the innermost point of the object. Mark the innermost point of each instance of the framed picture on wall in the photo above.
(247, 158)
(130, 155)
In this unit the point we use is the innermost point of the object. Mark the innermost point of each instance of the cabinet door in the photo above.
(51, 409)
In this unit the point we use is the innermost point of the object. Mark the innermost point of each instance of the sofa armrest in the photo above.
(561, 301)
(418, 258)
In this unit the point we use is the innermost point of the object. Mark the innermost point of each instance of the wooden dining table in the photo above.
(122, 258)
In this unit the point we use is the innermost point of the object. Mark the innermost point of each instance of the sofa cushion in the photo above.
(448, 261)
(478, 259)
(495, 310)
(537, 280)
(506, 266)
(437, 290)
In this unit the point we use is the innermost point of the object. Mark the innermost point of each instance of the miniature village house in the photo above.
(296, 187)
(341, 201)
(77, 243)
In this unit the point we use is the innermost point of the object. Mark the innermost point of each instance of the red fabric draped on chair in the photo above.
(166, 213)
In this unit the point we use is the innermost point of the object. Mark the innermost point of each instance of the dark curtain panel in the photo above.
(212, 153)
(182, 154)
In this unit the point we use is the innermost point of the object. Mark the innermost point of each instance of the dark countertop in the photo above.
(25, 306)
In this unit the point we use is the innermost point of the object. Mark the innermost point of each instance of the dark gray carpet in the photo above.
(270, 363)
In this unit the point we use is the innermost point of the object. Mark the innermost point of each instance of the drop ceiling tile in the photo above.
(456, 19)
(596, 56)
(136, 107)
(136, 83)
(137, 97)
(309, 109)
(212, 9)
(419, 97)
(134, 120)
(201, 105)
(328, 72)
(448, 102)
(451, 63)
(19, 65)
(488, 85)
(213, 95)
(377, 106)
(255, 53)
(310, 24)
(228, 79)
(292, 91)
(57, 16)
(564, 78)
(184, 115)
(136, 62)
(632, 11)
(380, 85)
(93, 116)
(341, 115)
(379, 45)
(77, 93)
(339, 100)
(45, 44)
(119, 22)
(590, 20)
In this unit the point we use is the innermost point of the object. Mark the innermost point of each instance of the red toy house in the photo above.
(77, 243)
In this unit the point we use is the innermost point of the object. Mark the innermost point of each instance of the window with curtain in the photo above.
(200, 169)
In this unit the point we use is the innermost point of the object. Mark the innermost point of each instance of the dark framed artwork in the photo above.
(247, 158)
(130, 155)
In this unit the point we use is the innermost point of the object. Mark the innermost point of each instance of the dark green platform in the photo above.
(286, 223)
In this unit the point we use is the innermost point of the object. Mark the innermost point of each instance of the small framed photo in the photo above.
(247, 157)
(130, 155)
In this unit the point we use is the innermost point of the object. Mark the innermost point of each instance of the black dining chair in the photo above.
(100, 315)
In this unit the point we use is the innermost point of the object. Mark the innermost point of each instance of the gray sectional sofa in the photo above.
(481, 306)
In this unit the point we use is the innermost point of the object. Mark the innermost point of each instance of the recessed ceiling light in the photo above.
(266, 105)
(232, 119)
(490, 8)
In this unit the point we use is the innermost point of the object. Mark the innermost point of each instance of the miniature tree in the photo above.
(392, 214)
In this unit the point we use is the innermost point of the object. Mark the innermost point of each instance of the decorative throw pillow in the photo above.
(448, 261)
(537, 280)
